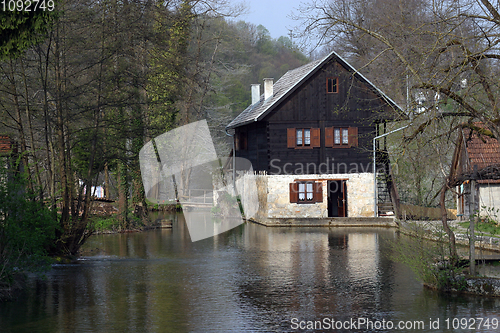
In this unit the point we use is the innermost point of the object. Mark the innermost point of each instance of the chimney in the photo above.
(268, 88)
(255, 93)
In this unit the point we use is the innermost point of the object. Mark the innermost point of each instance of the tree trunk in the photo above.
(19, 123)
(32, 136)
(122, 195)
(444, 220)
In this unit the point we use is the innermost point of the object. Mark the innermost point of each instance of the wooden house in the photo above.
(311, 134)
(476, 162)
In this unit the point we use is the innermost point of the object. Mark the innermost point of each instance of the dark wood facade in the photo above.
(350, 104)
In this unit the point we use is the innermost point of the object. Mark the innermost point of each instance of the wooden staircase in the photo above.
(387, 194)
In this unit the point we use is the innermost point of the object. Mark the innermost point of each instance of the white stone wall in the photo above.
(277, 190)
(278, 198)
(360, 196)
(489, 197)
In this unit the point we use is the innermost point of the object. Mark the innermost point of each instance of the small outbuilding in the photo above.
(476, 162)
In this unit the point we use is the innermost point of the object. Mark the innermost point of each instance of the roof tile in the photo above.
(482, 150)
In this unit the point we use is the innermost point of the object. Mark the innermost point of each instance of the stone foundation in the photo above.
(274, 196)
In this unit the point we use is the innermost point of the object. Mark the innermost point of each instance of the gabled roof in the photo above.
(483, 150)
(289, 82)
(475, 149)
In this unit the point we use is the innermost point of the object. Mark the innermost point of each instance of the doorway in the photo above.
(337, 198)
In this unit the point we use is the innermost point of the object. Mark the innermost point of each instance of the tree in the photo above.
(438, 47)
(26, 231)
(21, 29)
(447, 50)
(110, 76)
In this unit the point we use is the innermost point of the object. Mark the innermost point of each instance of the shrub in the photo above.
(428, 259)
(27, 229)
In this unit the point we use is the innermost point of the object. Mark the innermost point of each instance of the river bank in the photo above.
(248, 279)
(104, 218)
(433, 229)
(486, 282)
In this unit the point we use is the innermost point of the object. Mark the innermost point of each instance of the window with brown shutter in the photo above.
(318, 192)
(341, 137)
(306, 192)
(294, 192)
(353, 136)
(290, 137)
(303, 137)
(329, 137)
(315, 137)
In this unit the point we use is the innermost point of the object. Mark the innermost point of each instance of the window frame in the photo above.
(344, 136)
(293, 138)
(315, 193)
(302, 137)
(336, 85)
(335, 137)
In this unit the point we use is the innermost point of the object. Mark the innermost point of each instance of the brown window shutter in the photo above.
(318, 192)
(294, 192)
(290, 138)
(315, 137)
(329, 137)
(353, 136)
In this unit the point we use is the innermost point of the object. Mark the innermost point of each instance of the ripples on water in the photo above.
(252, 279)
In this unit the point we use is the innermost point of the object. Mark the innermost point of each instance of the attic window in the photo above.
(332, 85)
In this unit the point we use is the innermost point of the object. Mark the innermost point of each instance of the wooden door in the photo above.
(342, 200)
(337, 198)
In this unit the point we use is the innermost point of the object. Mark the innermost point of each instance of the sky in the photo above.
(272, 14)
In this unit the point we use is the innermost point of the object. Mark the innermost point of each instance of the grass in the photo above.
(486, 226)
(107, 223)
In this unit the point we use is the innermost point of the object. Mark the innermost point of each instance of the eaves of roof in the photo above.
(289, 82)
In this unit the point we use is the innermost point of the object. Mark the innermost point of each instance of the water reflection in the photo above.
(251, 278)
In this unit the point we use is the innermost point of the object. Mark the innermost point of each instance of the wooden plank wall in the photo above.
(257, 148)
(310, 106)
(279, 154)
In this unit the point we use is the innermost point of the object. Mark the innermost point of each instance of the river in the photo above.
(249, 279)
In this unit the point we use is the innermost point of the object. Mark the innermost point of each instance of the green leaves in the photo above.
(27, 228)
(21, 29)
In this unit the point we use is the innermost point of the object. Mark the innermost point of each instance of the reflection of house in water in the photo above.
(329, 264)
(363, 256)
